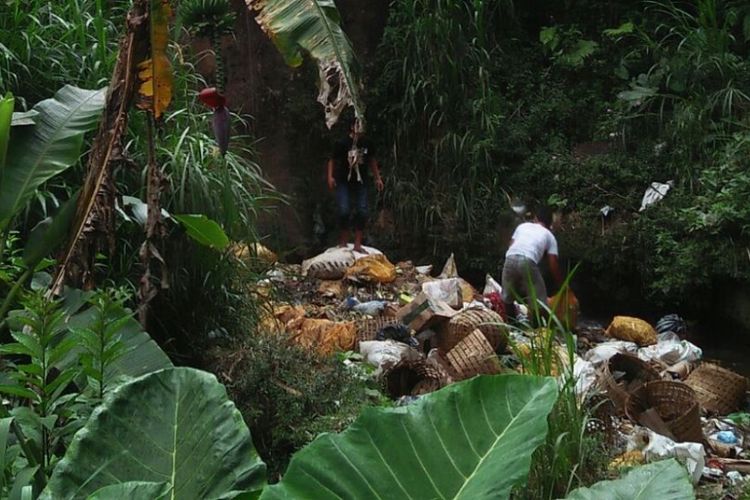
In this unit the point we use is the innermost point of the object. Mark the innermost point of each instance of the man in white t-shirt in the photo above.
(522, 278)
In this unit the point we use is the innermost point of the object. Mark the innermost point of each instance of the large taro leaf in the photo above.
(470, 440)
(44, 150)
(312, 26)
(175, 426)
(665, 480)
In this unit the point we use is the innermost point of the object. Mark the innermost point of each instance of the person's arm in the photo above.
(375, 169)
(554, 268)
(331, 179)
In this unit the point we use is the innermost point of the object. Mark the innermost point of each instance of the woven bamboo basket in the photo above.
(719, 391)
(368, 328)
(462, 324)
(473, 355)
(412, 378)
(675, 403)
(637, 373)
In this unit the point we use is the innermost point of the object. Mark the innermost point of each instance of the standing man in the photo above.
(521, 275)
(347, 176)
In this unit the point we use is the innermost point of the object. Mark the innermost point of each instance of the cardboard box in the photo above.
(423, 312)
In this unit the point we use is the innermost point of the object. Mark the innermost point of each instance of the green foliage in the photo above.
(101, 341)
(663, 480)
(204, 230)
(288, 395)
(206, 17)
(570, 455)
(566, 47)
(474, 429)
(39, 152)
(45, 45)
(162, 427)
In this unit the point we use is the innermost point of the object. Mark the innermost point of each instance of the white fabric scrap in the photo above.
(655, 192)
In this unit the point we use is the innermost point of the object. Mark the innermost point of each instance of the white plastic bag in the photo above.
(671, 352)
(601, 353)
(655, 192)
(491, 286)
(385, 354)
(585, 375)
(658, 447)
(445, 290)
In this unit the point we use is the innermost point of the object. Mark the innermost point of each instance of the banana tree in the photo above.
(313, 26)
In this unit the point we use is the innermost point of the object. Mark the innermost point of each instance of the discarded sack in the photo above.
(333, 263)
(603, 352)
(657, 447)
(323, 336)
(719, 391)
(631, 329)
(372, 269)
(277, 319)
(253, 252)
(671, 323)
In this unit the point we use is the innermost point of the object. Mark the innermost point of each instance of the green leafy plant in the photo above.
(664, 480)
(174, 426)
(566, 46)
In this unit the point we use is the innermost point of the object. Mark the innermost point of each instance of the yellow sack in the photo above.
(323, 336)
(632, 330)
(372, 269)
(255, 252)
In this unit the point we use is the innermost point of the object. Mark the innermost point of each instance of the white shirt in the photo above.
(532, 240)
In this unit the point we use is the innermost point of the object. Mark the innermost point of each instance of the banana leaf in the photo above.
(665, 480)
(313, 27)
(175, 426)
(471, 440)
(38, 153)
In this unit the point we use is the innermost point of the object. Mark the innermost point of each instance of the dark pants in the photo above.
(351, 198)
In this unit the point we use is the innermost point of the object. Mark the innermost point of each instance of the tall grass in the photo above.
(45, 44)
(571, 456)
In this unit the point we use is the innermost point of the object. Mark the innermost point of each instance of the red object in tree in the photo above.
(212, 98)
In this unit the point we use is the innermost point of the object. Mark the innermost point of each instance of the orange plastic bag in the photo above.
(565, 306)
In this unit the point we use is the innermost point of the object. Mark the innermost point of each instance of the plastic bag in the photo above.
(491, 286)
(655, 192)
(372, 269)
(565, 306)
(445, 290)
(632, 330)
(658, 447)
(385, 354)
(449, 269)
(671, 352)
(601, 353)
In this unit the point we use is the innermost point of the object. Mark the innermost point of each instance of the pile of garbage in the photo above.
(650, 392)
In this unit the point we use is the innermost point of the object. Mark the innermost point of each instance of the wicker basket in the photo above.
(675, 403)
(412, 378)
(473, 355)
(637, 373)
(465, 322)
(719, 391)
(367, 329)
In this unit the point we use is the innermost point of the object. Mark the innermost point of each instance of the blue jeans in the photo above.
(351, 198)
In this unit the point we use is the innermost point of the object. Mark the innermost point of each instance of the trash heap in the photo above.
(650, 393)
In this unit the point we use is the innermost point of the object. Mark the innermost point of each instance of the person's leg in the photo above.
(511, 281)
(342, 201)
(360, 214)
(536, 292)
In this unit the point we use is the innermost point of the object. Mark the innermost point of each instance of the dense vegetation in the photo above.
(578, 105)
